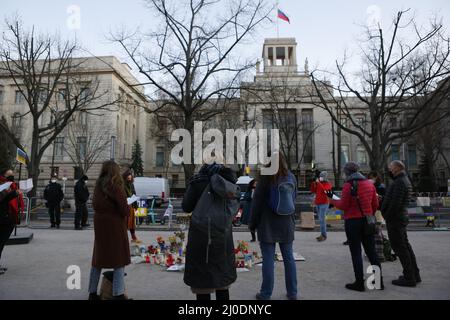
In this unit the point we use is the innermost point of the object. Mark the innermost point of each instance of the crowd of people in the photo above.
(213, 197)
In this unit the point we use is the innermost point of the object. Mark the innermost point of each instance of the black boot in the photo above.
(121, 297)
(417, 278)
(356, 286)
(404, 282)
(223, 294)
(93, 296)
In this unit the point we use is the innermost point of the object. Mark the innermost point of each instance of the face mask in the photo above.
(10, 178)
(372, 181)
(320, 179)
(85, 181)
(391, 175)
(53, 181)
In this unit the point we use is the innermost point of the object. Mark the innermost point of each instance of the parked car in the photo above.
(243, 182)
(149, 188)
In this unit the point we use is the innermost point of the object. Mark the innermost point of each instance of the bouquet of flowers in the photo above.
(242, 247)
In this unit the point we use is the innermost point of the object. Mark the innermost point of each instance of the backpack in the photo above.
(282, 196)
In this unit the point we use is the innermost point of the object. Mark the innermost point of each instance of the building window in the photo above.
(62, 95)
(270, 56)
(287, 122)
(395, 152)
(16, 120)
(344, 122)
(83, 118)
(159, 156)
(81, 142)
(175, 179)
(281, 56)
(59, 146)
(1, 96)
(361, 155)
(84, 94)
(54, 171)
(393, 122)
(307, 134)
(360, 121)
(345, 153)
(43, 94)
(412, 155)
(19, 97)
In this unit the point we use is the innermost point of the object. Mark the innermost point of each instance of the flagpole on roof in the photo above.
(278, 22)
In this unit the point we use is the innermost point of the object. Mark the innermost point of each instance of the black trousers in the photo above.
(5, 233)
(81, 214)
(354, 229)
(54, 211)
(400, 244)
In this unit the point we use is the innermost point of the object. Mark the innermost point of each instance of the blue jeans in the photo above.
(118, 281)
(268, 269)
(322, 210)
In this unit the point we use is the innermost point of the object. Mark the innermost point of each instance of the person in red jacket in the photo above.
(319, 187)
(11, 204)
(357, 188)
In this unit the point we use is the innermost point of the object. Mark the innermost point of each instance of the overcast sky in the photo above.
(323, 29)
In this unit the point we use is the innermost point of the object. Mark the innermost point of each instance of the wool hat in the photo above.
(350, 168)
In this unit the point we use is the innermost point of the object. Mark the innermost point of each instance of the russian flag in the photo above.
(283, 16)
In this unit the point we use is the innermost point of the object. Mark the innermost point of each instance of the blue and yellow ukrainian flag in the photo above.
(21, 156)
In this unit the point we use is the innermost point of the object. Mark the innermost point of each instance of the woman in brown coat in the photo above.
(111, 248)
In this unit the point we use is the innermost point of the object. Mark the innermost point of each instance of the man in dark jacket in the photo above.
(53, 194)
(395, 213)
(210, 259)
(7, 222)
(81, 198)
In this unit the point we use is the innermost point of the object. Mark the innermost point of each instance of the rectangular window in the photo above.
(16, 121)
(395, 152)
(1, 96)
(345, 154)
(81, 142)
(159, 156)
(412, 155)
(270, 56)
(59, 146)
(307, 135)
(19, 97)
(62, 95)
(84, 94)
(281, 55)
(83, 118)
(287, 123)
(361, 155)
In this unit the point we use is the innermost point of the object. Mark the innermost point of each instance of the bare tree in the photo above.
(385, 101)
(87, 141)
(52, 84)
(189, 61)
(279, 99)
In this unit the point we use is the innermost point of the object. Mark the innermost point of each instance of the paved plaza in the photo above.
(38, 270)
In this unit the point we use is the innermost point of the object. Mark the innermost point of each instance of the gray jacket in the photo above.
(270, 227)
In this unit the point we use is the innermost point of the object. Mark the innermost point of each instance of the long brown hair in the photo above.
(109, 176)
(282, 169)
